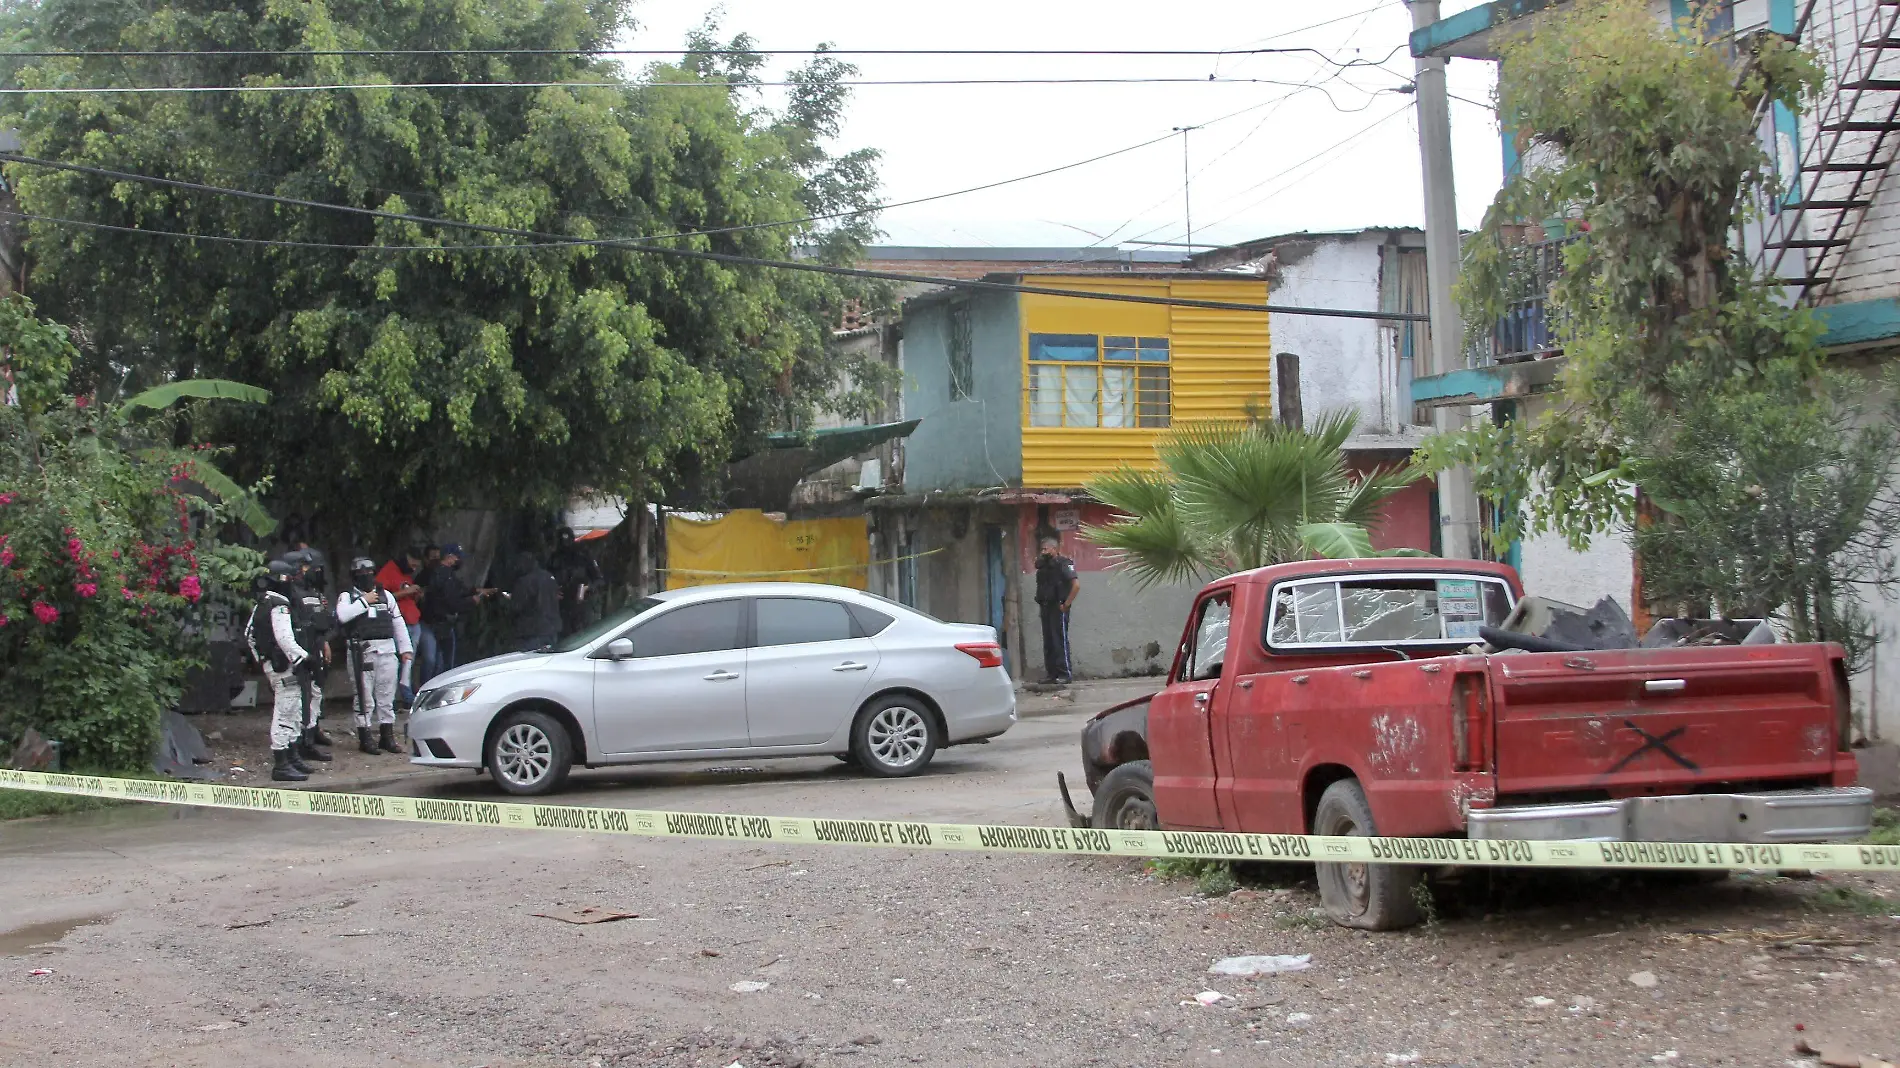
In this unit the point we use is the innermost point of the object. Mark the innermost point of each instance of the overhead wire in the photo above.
(693, 254)
(252, 53)
(122, 90)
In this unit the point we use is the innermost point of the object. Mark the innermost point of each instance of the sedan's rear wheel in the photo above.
(529, 753)
(894, 737)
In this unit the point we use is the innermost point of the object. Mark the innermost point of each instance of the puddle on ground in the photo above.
(43, 937)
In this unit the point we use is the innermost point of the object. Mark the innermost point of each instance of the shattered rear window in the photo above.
(1385, 611)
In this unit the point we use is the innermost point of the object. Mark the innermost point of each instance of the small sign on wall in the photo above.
(1066, 518)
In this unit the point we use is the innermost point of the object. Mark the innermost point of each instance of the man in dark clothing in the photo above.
(535, 603)
(445, 600)
(1056, 587)
(578, 577)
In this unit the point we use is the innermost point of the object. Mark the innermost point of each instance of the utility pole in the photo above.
(1187, 181)
(1457, 504)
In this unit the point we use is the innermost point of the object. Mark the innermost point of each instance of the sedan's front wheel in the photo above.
(893, 737)
(529, 753)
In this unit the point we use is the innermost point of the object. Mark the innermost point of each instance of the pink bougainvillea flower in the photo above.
(128, 593)
(85, 589)
(44, 612)
(4, 621)
(6, 557)
(7, 498)
(82, 402)
(189, 589)
(74, 548)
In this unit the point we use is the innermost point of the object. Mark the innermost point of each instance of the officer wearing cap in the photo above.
(371, 621)
(272, 638)
(310, 614)
(445, 600)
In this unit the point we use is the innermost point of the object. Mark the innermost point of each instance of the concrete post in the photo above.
(1458, 505)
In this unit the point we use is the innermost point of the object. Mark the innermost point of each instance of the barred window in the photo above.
(1088, 380)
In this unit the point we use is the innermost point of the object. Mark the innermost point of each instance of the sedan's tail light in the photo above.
(987, 654)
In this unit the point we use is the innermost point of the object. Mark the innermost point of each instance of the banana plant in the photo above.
(213, 481)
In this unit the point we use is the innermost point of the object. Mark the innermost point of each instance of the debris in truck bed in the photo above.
(1543, 625)
(1669, 633)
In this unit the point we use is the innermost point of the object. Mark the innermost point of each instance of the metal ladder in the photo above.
(1842, 166)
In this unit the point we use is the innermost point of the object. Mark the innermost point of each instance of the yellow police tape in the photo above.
(971, 837)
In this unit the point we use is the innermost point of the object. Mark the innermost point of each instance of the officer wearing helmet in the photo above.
(310, 614)
(371, 621)
(272, 638)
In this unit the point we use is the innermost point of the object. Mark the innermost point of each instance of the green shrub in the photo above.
(108, 553)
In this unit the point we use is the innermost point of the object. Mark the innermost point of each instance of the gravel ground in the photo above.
(186, 937)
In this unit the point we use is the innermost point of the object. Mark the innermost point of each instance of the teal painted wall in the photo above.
(973, 443)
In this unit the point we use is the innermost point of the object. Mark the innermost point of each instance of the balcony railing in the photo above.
(1530, 329)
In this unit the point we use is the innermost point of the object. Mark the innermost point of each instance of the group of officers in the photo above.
(292, 633)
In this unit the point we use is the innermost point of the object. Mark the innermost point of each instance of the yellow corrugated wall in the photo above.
(748, 546)
(1220, 362)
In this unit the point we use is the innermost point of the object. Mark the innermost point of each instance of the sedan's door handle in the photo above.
(1666, 685)
(721, 676)
(851, 665)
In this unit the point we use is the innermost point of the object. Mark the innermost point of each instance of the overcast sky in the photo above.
(1339, 156)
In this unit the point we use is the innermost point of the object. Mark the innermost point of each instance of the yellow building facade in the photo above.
(1103, 381)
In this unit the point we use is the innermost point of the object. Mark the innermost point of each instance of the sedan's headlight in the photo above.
(447, 695)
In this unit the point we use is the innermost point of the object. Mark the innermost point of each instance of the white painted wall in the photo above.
(1344, 363)
(1550, 568)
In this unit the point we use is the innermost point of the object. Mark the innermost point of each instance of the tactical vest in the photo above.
(309, 617)
(377, 623)
(261, 637)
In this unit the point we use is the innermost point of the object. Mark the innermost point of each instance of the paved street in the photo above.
(182, 937)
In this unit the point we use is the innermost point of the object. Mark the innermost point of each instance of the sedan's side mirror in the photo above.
(620, 649)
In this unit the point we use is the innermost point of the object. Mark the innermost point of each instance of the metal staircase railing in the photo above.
(1855, 138)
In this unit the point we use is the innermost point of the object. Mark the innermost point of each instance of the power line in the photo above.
(697, 254)
(255, 53)
(706, 84)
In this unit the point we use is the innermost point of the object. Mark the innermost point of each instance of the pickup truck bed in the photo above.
(1396, 728)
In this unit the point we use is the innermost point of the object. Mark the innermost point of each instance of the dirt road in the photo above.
(181, 937)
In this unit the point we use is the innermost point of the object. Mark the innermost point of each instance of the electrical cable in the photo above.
(696, 254)
(73, 90)
(253, 53)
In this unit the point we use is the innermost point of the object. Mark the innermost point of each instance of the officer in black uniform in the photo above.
(1056, 587)
(310, 615)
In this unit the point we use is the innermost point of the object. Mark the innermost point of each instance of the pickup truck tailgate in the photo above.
(1661, 720)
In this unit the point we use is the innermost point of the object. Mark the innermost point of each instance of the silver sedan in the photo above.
(756, 670)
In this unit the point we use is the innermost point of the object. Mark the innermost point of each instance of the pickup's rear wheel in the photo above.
(1372, 897)
(1126, 799)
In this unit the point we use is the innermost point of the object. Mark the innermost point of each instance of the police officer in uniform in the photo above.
(310, 614)
(371, 621)
(1056, 587)
(272, 638)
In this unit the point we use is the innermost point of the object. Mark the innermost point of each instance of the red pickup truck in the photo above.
(1338, 697)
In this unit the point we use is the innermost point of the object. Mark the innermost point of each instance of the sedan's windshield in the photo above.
(609, 623)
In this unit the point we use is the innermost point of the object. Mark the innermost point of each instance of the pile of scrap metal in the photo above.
(1541, 625)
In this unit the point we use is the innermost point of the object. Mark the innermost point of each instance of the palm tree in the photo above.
(1237, 495)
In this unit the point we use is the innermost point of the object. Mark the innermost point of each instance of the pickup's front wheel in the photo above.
(1126, 799)
(1372, 897)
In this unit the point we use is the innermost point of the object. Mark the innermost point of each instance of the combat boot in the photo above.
(316, 735)
(280, 769)
(365, 741)
(307, 747)
(387, 740)
(295, 761)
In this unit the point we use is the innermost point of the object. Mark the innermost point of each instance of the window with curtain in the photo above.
(1087, 380)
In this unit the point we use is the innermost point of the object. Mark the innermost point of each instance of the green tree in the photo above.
(1233, 495)
(109, 549)
(1686, 378)
(470, 371)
